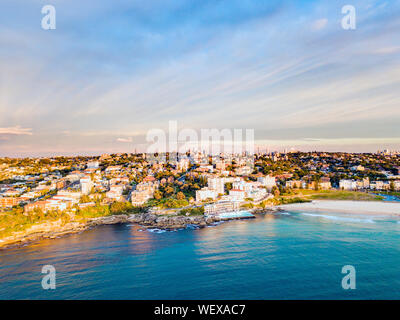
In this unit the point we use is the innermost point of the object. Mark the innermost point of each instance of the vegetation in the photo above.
(331, 195)
(167, 203)
(192, 211)
(16, 220)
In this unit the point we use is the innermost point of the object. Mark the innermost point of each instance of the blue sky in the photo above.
(112, 70)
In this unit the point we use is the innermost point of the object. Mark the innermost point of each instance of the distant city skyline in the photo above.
(111, 71)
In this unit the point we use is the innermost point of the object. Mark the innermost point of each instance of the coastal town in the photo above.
(36, 190)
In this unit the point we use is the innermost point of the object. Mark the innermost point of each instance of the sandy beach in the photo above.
(354, 207)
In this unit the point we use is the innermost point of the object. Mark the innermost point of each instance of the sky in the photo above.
(113, 70)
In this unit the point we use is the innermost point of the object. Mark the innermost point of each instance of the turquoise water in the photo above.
(281, 256)
(235, 214)
(387, 197)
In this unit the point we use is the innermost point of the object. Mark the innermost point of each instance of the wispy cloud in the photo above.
(319, 24)
(388, 50)
(124, 139)
(112, 71)
(17, 130)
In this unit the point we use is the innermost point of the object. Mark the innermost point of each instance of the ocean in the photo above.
(276, 256)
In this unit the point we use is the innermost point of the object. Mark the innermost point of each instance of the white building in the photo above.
(183, 164)
(86, 185)
(206, 193)
(237, 195)
(243, 171)
(216, 184)
(220, 207)
(380, 185)
(93, 165)
(267, 181)
(347, 184)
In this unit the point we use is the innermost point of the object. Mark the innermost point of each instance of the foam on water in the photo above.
(283, 213)
(156, 230)
(339, 218)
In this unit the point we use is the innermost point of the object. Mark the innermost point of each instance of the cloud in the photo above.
(17, 130)
(319, 24)
(207, 64)
(388, 50)
(124, 139)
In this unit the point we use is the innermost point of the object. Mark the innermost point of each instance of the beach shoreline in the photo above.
(344, 206)
(54, 229)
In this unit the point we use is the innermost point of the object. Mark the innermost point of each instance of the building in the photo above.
(325, 183)
(86, 185)
(93, 165)
(220, 207)
(140, 197)
(243, 171)
(294, 184)
(237, 194)
(380, 185)
(216, 184)
(242, 190)
(242, 185)
(183, 164)
(206, 193)
(347, 184)
(41, 205)
(115, 192)
(267, 181)
(144, 191)
(8, 202)
(220, 165)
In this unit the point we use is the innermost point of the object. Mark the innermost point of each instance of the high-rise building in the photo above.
(86, 185)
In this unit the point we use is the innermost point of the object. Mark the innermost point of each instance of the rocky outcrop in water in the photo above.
(169, 222)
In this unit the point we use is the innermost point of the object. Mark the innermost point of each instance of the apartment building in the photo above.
(205, 193)
(8, 202)
(220, 207)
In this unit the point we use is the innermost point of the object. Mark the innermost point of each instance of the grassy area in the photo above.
(282, 200)
(15, 220)
(336, 195)
(167, 203)
(192, 211)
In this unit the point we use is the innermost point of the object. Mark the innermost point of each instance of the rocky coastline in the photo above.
(56, 229)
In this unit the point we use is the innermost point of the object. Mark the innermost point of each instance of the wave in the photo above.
(337, 218)
(283, 213)
(192, 226)
(156, 230)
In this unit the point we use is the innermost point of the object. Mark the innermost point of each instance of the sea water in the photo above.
(275, 256)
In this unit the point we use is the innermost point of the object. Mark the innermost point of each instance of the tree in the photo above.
(275, 191)
(157, 195)
(169, 190)
(180, 195)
